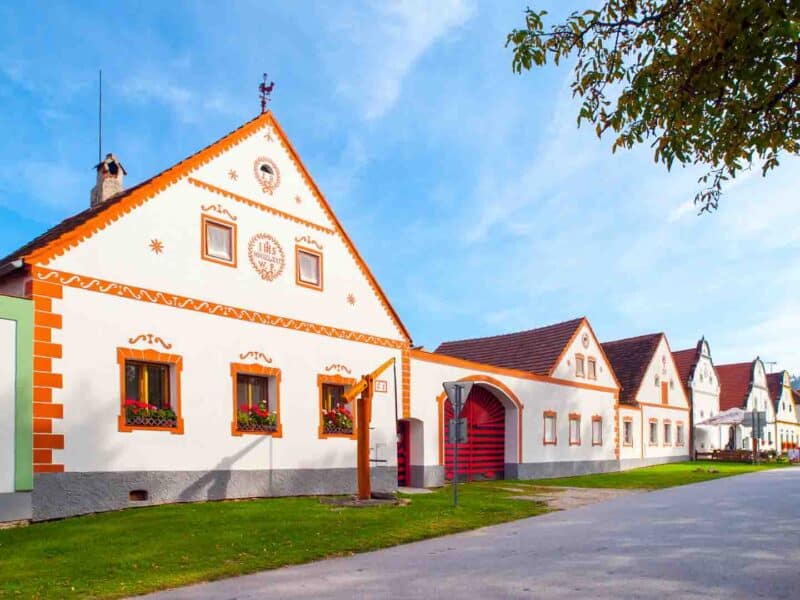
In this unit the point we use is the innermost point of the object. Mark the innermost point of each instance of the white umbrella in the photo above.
(732, 416)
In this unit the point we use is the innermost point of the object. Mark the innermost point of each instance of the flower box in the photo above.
(256, 419)
(142, 414)
(339, 420)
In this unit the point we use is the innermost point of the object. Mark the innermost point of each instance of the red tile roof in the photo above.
(685, 361)
(735, 382)
(535, 350)
(629, 358)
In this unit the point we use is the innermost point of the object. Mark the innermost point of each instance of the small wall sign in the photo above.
(266, 256)
(381, 386)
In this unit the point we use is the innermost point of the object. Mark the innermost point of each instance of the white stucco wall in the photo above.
(704, 389)
(207, 344)
(8, 357)
(758, 399)
(787, 425)
(662, 369)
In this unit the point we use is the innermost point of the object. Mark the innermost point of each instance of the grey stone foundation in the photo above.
(58, 495)
(427, 476)
(545, 470)
(15, 506)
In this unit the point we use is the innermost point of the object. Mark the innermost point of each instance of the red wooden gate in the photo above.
(403, 453)
(483, 456)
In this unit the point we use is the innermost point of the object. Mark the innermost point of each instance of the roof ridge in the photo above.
(635, 338)
(511, 333)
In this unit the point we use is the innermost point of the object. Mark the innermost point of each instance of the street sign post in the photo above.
(457, 392)
(756, 420)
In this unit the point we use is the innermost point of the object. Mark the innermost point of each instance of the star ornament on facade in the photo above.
(157, 246)
(298, 199)
(233, 175)
(268, 137)
(351, 299)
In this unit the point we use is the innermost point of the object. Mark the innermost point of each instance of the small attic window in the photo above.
(219, 241)
(265, 168)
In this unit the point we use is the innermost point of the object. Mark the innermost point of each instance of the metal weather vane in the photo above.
(265, 90)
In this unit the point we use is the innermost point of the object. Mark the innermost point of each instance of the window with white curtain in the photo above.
(309, 268)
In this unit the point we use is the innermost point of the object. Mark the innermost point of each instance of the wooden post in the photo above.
(363, 418)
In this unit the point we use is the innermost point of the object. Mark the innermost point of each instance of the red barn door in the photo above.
(483, 456)
(403, 453)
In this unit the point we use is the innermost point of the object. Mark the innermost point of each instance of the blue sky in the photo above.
(478, 204)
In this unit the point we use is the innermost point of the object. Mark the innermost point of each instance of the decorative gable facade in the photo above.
(744, 386)
(193, 336)
(699, 377)
(652, 400)
(787, 427)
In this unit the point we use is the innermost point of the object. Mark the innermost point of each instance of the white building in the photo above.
(193, 333)
(543, 405)
(787, 427)
(699, 377)
(744, 385)
(653, 405)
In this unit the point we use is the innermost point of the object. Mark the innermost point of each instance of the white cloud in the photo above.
(390, 38)
(187, 105)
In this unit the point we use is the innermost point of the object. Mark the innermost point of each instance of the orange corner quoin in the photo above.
(46, 381)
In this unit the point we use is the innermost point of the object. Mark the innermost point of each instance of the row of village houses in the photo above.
(191, 338)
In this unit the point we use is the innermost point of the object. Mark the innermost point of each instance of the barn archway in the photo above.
(493, 414)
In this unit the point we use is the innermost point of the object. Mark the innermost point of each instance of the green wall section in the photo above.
(21, 311)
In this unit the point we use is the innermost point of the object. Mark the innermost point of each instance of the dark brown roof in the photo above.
(735, 381)
(685, 361)
(68, 225)
(629, 358)
(775, 387)
(535, 350)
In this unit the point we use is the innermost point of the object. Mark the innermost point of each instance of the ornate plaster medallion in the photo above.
(267, 174)
(266, 256)
(585, 339)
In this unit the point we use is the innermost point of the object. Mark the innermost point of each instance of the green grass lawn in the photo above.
(658, 477)
(138, 550)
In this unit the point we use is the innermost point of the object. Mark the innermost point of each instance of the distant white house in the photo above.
(699, 377)
(787, 427)
(744, 385)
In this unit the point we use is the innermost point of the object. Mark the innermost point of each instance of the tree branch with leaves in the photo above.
(707, 82)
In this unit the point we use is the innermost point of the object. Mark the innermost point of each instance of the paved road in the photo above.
(731, 538)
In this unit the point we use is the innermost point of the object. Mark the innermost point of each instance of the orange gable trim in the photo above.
(468, 364)
(138, 196)
(373, 283)
(132, 292)
(258, 205)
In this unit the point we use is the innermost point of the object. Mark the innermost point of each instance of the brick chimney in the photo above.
(109, 179)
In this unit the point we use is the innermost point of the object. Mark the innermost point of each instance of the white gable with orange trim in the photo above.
(664, 408)
(582, 350)
(131, 286)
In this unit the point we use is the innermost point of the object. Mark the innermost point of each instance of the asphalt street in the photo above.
(737, 537)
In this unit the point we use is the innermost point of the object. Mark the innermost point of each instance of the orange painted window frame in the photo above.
(682, 427)
(598, 419)
(664, 424)
(650, 441)
(554, 415)
(261, 371)
(626, 420)
(591, 373)
(153, 356)
(297, 250)
(335, 380)
(574, 417)
(580, 359)
(204, 221)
